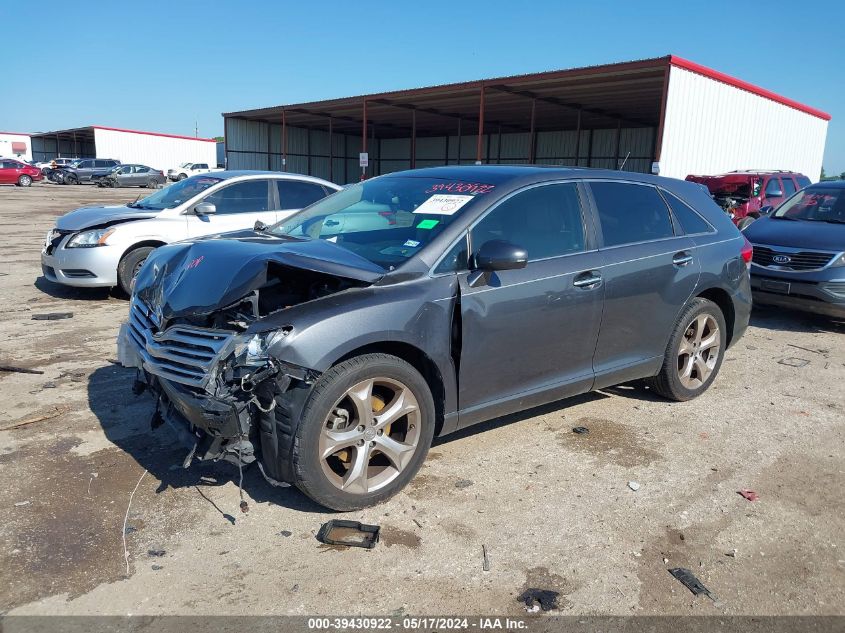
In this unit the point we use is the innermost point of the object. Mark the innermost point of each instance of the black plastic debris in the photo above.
(158, 553)
(286, 533)
(52, 316)
(20, 370)
(688, 580)
(157, 567)
(349, 533)
(580, 430)
(463, 483)
(545, 598)
(138, 387)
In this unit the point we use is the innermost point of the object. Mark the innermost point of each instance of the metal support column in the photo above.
(413, 139)
(284, 142)
(331, 150)
(480, 127)
(458, 162)
(578, 140)
(532, 135)
(618, 140)
(364, 137)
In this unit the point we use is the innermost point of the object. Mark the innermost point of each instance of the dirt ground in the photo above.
(552, 507)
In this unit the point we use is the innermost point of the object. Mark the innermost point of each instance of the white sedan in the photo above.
(106, 246)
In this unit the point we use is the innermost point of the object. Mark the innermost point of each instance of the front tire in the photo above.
(129, 266)
(71, 179)
(181, 177)
(695, 352)
(24, 181)
(364, 432)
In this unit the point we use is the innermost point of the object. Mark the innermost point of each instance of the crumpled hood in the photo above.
(96, 216)
(199, 277)
(810, 235)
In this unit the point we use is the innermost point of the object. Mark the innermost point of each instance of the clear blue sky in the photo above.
(162, 66)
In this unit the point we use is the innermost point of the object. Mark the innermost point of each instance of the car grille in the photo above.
(180, 353)
(797, 260)
(836, 288)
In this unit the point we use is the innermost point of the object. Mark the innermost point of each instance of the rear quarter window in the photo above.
(689, 220)
(631, 213)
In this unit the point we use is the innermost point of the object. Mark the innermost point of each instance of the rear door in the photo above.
(124, 176)
(649, 273)
(238, 205)
(528, 335)
(293, 195)
(8, 175)
(773, 193)
(140, 175)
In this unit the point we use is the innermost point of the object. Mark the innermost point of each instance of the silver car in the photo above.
(102, 246)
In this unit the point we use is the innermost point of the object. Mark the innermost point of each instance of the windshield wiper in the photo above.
(783, 217)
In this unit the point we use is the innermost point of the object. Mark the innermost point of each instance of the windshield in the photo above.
(817, 204)
(175, 194)
(385, 220)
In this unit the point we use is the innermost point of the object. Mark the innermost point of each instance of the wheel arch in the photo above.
(722, 299)
(419, 360)
(149, 242)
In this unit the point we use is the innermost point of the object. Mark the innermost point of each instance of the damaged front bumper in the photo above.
(231, 415)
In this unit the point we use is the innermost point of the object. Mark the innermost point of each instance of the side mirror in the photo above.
(766, 210)
(774, 194)
(259, 226)
(500, 255)
(205, 208)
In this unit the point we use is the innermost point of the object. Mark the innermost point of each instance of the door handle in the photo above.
(587, 280)
(682, 259)
(331, 222)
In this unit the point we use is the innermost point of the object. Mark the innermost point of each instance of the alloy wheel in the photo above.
(699, 351)
(370, 435)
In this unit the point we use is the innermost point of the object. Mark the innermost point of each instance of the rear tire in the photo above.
(130, 265)
(24, 181)
(394, 386)
(152, 184)
(181, 177)
(694, 354)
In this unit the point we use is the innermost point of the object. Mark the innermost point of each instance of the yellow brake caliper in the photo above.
(378, 405)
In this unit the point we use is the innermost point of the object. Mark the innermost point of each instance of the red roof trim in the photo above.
(17, 133)
(189, 138)
(674, 60)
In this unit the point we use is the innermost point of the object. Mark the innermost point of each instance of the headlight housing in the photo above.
(89, 239)
(839, 261)
(252, 350)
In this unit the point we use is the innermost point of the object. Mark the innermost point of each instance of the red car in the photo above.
(743, 194)
(15, 172)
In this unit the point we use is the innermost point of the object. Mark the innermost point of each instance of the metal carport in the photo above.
(600, 116)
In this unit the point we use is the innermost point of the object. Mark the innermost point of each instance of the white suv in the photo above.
(106, 246)
(186, 170)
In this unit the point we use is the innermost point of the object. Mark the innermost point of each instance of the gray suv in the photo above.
(85, 170)
(333, 352)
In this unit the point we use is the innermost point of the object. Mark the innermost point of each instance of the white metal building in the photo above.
(160, 151)
(15, 145)
(665, 114)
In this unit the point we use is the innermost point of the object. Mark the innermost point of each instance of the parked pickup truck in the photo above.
(186, 170)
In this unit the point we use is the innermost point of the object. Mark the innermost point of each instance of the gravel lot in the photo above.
(553, 508)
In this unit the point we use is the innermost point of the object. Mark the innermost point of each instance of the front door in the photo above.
(238, 206)
(528, 335)
(649, 272)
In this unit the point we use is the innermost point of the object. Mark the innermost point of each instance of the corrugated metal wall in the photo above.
(159, 152)
(249, 147)
(712, 128)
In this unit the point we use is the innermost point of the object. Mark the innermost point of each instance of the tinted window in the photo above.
(630, 213)
(243, 197)
(103, 163)
(126, 169)
(455, 260)
(773, 187)
(140, 169)
(689, 220)
(803, 181)
(546, 221)
(294, 194)
(788, 186)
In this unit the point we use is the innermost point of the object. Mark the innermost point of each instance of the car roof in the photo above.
(828, 184)
(240, 173)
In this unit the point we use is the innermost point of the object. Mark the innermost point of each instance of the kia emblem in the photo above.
(781, 259)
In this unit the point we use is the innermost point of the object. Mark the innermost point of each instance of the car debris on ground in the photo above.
(688, 580)
(19, 370)
(749, 495)
(581, 430)
(537, 599)
(633, 485)
(349, 533)
(52, 316)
